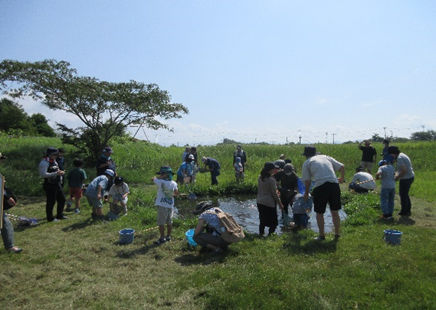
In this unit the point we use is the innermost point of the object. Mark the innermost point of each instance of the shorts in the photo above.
(76, 192)
(327, 193)
(95, 202)
(366, 165)
(164, 216)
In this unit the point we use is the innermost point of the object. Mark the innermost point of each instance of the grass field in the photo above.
(78, 264)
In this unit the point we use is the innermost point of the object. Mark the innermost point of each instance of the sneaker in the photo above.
(62, 217)
(15, 249)
(320, 238)
(337, 237)
(53, 220)
(160, 241)
(77, 211)
(168, 238)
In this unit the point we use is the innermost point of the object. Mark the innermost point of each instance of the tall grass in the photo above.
(138, 161)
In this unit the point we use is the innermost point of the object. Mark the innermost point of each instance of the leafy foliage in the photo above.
(103, 107)
(13, 119)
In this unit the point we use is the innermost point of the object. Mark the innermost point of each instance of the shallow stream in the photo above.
(244, 210)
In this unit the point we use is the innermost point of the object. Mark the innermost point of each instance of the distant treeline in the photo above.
(15, 121)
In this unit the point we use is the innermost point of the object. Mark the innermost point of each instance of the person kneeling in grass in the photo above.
(118, 192)
(95, 192)
(166, 190)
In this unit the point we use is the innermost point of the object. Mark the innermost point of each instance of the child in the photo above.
(166, 190)
(119, 191)
(239, 169)
(300, 209)
(386, 173)
(186, 170)
(95, 192)
(75, 183)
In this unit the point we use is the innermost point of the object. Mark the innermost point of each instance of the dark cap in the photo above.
(269, 166)
(309, 151)
(51, 151)
(288, 169)
(108, 149)
(393, 150)
(165, 170)
(118, 180)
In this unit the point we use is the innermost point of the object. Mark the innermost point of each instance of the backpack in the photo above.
(234, 232)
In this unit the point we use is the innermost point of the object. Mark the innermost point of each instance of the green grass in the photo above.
(78, 263)
(138, 161)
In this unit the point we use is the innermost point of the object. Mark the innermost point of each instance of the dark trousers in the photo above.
(213, 175)
(406, 205)
(54, 194)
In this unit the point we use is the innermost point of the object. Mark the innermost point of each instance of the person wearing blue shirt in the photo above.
(95, 192)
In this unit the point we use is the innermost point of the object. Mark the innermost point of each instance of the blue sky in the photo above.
(247, 70)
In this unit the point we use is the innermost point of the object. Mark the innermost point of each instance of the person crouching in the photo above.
(208, 230)
(95, 192)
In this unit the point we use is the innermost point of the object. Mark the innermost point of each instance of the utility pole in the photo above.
(326, 137)
(299, 137)
(384, 128)
(333, 134)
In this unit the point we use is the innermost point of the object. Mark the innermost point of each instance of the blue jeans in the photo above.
(7, 232)
(387, 196)
(406, 205)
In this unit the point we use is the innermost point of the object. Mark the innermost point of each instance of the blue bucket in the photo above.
(190, 237)
(392, 236)
(127, 235)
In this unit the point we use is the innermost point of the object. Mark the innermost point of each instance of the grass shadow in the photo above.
(405, 220)
(132, 253)
(302, 243)
(89, 221)
(203, 257)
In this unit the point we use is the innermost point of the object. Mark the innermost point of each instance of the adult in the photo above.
(406, 175)
(321, 169)
(61, 159)
(362, 181)
(214, 167)
(242, 154)
(61, 162)
(281, 161)
(105, 161)
(385, 151)
(369, 155)
(208, 230)
(186, 153)
(193, 152)
(186, 170)
(7, 231)
(52, 175)
(288, 186)
(268, 198)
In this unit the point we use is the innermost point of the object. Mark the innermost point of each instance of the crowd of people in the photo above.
(278, 185)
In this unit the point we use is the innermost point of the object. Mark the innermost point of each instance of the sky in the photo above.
(251, 71)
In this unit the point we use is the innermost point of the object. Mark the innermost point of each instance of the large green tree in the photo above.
(104, 108)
